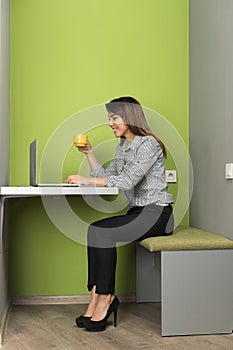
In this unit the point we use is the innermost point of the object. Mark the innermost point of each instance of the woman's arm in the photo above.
(83, 180)
(98, 173)
(92, 159)
(96, 169)
(87, 149)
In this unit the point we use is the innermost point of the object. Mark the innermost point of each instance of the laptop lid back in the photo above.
(33, 163)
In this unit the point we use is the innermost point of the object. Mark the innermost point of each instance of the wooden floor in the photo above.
(43, 327)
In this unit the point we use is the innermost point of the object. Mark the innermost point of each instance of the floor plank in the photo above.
(43, 327)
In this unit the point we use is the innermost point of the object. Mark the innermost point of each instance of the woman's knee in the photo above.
(95, 236)
(99, 237)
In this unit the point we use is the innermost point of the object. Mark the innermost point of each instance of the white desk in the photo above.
(20, 191)
(7, 192)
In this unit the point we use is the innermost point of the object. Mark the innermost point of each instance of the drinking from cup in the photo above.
(80, 140)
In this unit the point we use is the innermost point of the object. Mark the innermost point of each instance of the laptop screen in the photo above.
(33, 163)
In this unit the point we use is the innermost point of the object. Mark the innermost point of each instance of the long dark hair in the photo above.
(131, 112)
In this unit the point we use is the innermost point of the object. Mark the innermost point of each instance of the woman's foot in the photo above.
(82, 320)
(102, 306)
(99, 325)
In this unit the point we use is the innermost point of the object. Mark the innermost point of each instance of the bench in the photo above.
(191, 274)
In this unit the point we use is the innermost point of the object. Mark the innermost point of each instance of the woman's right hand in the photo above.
(87, 148)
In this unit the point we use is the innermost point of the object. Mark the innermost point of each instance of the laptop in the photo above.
(34, 170)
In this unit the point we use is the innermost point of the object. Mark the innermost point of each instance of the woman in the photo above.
(138, 170)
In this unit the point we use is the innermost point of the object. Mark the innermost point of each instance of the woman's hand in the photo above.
(78, 179)
(86, 181)
(85, 149)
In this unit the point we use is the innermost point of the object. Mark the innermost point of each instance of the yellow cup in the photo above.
(80, 140)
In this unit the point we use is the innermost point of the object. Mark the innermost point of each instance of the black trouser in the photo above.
(137, 224)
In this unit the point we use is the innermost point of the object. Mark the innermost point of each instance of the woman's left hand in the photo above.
(77, 179)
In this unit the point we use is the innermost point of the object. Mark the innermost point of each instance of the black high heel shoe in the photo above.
(82, 321)
(99, 326)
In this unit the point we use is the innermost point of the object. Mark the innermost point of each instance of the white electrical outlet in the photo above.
(170, 175)
(229, 171)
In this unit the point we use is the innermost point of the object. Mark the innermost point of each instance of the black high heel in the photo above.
(82, 321)
(99, 326)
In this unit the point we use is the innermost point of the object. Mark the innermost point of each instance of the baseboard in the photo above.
(64, 299)
(4, 321)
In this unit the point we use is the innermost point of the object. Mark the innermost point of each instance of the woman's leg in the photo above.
(137, 224)
(101, 269)
(102, 254)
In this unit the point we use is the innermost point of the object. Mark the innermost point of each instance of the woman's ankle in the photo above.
(92, 304)
(90, 309)
(102, 306)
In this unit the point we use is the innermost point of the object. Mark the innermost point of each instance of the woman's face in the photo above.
(118, 126)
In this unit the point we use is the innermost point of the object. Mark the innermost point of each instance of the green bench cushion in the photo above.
(187, 238)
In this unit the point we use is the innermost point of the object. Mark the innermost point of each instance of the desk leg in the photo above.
(2, 204)
(4, 297)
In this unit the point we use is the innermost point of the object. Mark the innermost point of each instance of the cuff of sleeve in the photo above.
(109, 182)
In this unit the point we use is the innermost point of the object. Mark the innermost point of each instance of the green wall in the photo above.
(67, 56)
